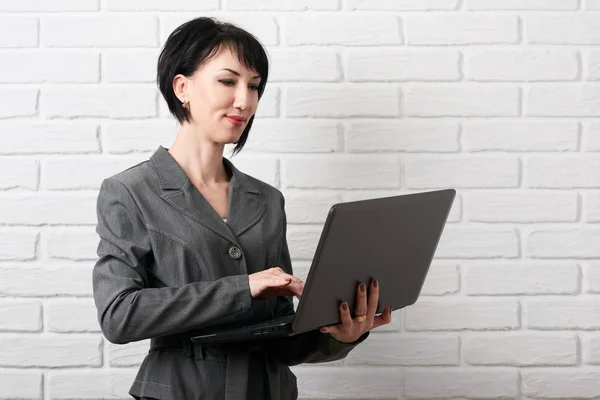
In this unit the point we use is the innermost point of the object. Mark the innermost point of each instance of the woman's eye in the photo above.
(228, 82)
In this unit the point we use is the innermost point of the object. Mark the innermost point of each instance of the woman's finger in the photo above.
(384, 318)
(373, 300)
(331, 329)
(345, 315)
(361, 302)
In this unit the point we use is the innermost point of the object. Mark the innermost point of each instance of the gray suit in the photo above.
(169, 266)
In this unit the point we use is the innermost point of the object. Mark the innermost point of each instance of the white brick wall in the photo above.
(499, 99)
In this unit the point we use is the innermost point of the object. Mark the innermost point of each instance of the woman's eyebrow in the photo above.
(237, 73)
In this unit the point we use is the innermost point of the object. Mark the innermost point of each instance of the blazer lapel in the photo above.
(245, 201)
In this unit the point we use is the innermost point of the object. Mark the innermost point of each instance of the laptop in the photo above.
(391, 239)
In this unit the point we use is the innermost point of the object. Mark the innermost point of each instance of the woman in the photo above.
(187, 241)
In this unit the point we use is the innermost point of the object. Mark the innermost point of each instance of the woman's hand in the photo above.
(353, 328)
(274, 282)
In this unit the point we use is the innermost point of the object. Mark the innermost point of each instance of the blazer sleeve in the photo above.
(308, 347)
(129, 310)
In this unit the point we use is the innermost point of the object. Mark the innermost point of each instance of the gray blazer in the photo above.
(169, 266)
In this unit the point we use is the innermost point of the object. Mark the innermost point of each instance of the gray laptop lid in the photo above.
(391, 239)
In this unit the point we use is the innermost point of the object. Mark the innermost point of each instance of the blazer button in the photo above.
(235, 252)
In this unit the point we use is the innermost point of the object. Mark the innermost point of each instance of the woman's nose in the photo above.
(242, 98)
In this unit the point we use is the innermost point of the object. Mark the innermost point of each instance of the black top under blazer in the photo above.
(169, 266)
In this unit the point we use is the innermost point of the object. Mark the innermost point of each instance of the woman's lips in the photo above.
(234, 121)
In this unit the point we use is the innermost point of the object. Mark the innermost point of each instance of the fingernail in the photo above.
(345, 306)
(322, 330)
(375, 283)
(362, 287)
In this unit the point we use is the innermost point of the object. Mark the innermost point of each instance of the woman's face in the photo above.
(219, 90)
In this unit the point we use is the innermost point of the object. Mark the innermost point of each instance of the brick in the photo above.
(551, 5)
(522, 65)
(260, 167)
(591, 207)
(18, 32)
(521, 207)
(128, 355)
(446, 29)
(456, 314)
(562, 313)
(265, 28)
(466, 100)
(346, 30)
(20, 316)
(50, 351)
(563, 101)
(90, 384)
(130, 66)
(567, 28)
(269, 104)
(522, 279)
(49, 66)
(592, 136)
(401, 5)
(161, 5)
(71, 315)
(60, 244)
(18, 244)
(85, 173)
(472, 242)
(20, 102)
(590, 347)
(102, 101)
(277, 5)
(441, 280)
(563, 243)
(46, 6)
(129, 136)
(303, 240)
(21, 385)
(342, 102)
(54, 209)
(402, 65)
(404, 136)
(592, 5)
(521, 349)
(403, 349)
(593, 277)
(316, 382)
(592, 65)
(49, 137)
(464, 172)
(525, 136)
(300, 136)
(354, 195)
(571, 383)
(309, 207)
(18, 173)
(344, 172)
(562, 172)
(102, 30)
(454, 382)
(32, 281)
(305, 66)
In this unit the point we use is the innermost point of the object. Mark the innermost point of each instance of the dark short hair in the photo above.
(195, 41)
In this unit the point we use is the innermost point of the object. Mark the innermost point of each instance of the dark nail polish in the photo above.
(375, 284)
(345, 306)
(362, 287)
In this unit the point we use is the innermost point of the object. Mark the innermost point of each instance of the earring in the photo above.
(185, 104)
